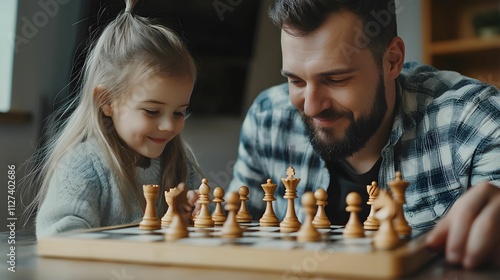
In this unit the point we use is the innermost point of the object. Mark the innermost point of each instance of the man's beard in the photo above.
(356, 135)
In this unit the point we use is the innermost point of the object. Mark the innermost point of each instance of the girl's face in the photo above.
(152, 114)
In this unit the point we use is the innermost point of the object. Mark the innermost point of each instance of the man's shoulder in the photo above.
(273, 98)
(430, 82)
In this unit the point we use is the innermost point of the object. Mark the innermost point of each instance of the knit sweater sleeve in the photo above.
(72, 200)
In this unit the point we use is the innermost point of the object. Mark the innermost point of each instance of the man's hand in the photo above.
(470, 232)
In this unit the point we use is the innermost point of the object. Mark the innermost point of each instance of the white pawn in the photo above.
(231, 228)
(307, 232)
(204, 219)
(218, 215)
(353, 228)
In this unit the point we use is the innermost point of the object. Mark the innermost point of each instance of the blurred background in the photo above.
(238, 54)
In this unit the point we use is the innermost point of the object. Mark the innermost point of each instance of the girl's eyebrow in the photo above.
(161, 103)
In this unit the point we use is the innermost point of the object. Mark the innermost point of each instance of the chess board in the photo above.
(260, 248)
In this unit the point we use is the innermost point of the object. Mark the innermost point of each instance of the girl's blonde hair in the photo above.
(130, 49)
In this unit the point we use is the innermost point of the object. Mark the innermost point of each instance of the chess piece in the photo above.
(290, 223)
(371, 222)
(218, 215)
(231, 228)
(398, 188)
(269, 219)
(308, 232)
(172, 208)
(385, 210)
(204, 219)
(177, 227)
(150, 220)
(243, 215)
(321, 220)
(353, 228)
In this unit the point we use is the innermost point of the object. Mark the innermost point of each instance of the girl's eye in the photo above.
(180, 114)
(152, 113)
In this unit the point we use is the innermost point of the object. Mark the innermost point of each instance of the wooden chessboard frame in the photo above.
(403, 260)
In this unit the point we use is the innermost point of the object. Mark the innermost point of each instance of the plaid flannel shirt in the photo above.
(445, 138)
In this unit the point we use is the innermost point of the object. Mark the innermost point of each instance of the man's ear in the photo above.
(394, 58)
(100, 94)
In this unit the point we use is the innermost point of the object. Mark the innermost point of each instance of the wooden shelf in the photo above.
(465, 45)
(15, 117)
(450, 42)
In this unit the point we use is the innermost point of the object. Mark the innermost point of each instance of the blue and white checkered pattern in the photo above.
(445, 138)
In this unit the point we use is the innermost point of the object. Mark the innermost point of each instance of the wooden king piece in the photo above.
(290, 223)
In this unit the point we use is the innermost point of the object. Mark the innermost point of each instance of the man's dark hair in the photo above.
(301, 17)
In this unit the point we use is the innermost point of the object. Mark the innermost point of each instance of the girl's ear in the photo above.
(100, 94)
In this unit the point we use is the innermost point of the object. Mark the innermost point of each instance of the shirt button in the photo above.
(410, 214)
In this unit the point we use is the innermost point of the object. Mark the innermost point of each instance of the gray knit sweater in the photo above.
(83, 193)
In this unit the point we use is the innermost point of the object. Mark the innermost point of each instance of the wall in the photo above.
(41, 70)
(410, 28)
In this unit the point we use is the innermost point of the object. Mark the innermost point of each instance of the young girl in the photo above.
(124, 133)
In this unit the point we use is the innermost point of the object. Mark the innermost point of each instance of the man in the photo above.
(352, 113)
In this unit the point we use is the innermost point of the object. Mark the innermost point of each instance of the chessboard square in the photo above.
(202, 241)
(143, 238)
(263, 234)
(129, 230)
(276, 244)
(89, 235)
(324, 230)
(251, 224)
(268, 229)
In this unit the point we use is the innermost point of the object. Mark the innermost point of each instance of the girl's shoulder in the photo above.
(86, 156)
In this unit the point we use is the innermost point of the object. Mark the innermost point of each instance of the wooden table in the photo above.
(30, 266)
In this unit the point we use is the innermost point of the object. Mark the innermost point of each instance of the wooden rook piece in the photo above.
(172, 207)
(269, 219)
(218, 215)
(386, 237)
(290, 223)
(371, 222)
(243, 215)
(321, 219)
(398, 188)
(204, 219)
(353, 228)
(308, 232)
(150, 220)
(177, 228)
(231, 228)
